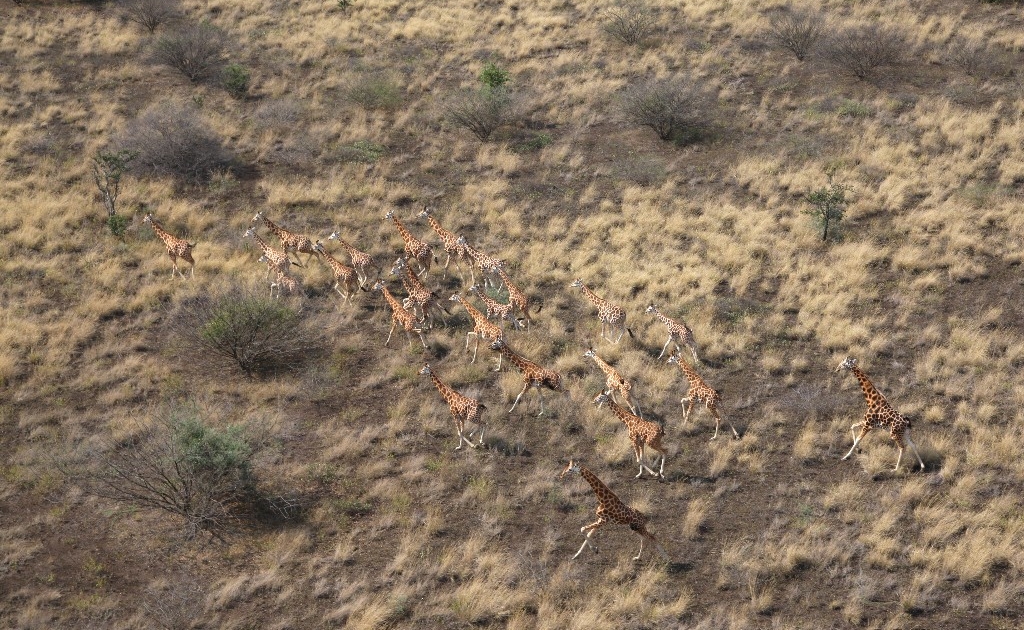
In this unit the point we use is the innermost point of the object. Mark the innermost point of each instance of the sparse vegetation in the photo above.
(196, 50)
(632, 23)
(480, 111)
(108, 167)
(151, 14)
(173, 140)
(828, 204)
(236, 78)
(677, 110)
(796, 30)
(863, 50)
(376, 92)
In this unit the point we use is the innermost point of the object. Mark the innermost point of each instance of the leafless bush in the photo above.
(197, 51)
(150, 14)
(246, 329)
(863, 50)
(172, 139)
(481, 111)
(796, 30)
(278, 114)
(970, 55)
(677, 110)
(376, 92)
(631, 23)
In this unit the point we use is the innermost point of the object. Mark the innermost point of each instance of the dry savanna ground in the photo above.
(345, 116)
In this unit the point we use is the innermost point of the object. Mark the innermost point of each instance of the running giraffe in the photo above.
(420, 300)
(641, 433)
(504, 312)
(361, 261)
(516, 296)
(455, 252)
(699, 391)
(614, 381)
(611, 315)
(176, 247)
(533, 374)
(482, 328)
(291, 241)
(344, 276)
(488, 264)
(462, 408)
(678, 332)
(415, 249)
(399, 315)
(276, 259)
(610, 509)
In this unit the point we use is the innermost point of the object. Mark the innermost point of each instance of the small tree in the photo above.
(107, 169)
(796, 30)
(865, 49)
(631, 23)
(150, 14)
(196, 50)
(236, 78)
(494, 77)
(828, 204)
(480, 111)
(172, 139)
(676, 110)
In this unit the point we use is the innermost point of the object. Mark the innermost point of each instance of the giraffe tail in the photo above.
(631, 335)
(192, 245)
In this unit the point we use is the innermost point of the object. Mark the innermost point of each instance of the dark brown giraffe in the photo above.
(611, 315)
(463, 409)
(454, 251)
(399, 315)
(176, 247)
(610, 509)
(880, 415)
(482, 328)
(613, 380)
(291, 241)
(533, 374)
(678, 332)
(699, 391)
(361, 261)
(344, 276)
(641, 433)
(415, 249)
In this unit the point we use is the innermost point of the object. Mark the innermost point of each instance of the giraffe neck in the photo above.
(607, 369)
(345, 246)
(475, 314)
(332, 261)
(392, 302)
(443, 233)
(161, 233)
(620, 413)
(446, 391)
(871, 393)
(663, 319)
(604, 495)
(406, 234)
(262, 243)
(524, 364)
(592, 296)
(691, 376)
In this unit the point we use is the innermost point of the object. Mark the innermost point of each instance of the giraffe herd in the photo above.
(415, 314)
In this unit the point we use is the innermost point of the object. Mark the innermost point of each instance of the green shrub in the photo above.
(362, 151)
(118, 224)
(536, 143)
(236, 78)
(828, 204)
(376, 93)
(493, 77)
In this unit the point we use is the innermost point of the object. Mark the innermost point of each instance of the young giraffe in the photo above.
(455, 252)
(516, 296)
(488, 264)
(610, 509)
(176, 247)
(641, 433)
(482, 328)
(282, 281)
(462, 408)
(415, 249)
(880, 415)
(678, 332)
(504, 312)
(420, 299)
(276, 259)
(611, 315)
(361, 261)
(399, 315)
(533, 374)
(291, 241)
(699, 391)
(614, 381)
(344, 276)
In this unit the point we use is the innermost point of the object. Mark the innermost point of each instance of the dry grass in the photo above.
(399, 531)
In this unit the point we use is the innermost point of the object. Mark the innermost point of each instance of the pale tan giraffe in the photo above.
(291, 241)
(276, 259)
(516, 297)
(642, 433)
(504, 312)
(482, 328)
(463, 409)
(176, 247)
(421, 301)
(454, 251)
(880, 415)
(610, 509)
(533, 374)
(399, 315)
(283, 282)
(344, 276)
(678, 332)
(415, 249)
(611, 315)
(488, 265)
(699, 391)
(613, 380)
(361, 261)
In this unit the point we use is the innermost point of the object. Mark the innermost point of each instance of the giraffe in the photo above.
(420, 299)
(614, 381)
(699, 391)
(609, 314)
(678, 332)
(516, 296)
(880, 415)
(415, 249)
(276, 259)
(399, 315)
(361, 261)
(282, 281)
(610, 509)
(343, 274)
(291, 241)
(455, 252)
(641, 433)
(462, 408)
(504, 312)
(488, 264)
(533, 374)
(482, 327)
(176, 247)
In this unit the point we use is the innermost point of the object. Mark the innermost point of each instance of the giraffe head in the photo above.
(377, 286)
(474, 289)
(250, 232)
(498, 265)
(398, 266)
(589, 354)
(334, 236)
(577, 284)
(572, 467)
(455, 298)
(676, 359)
(497, 344)
(319, 246)
(461, 241)
(262, 258)
(652, 309)
(424, 213)
(148, 219)
(601, 399)
(847, 364)
(425, 371)
(256, 219)
(390, 215)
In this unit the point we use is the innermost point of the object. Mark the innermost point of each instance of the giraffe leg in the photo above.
(525, 387)
(500, 356)
(622, 331)
(687, 404)
(693, 351)
(665, 347)
(422, 340)
(393, 324)
(471, 333)
(856, 440)
(638, 452)
(589, 531)
(718, 419)
(899, 458)
(906, 436)
(540, 393)
(637, 557)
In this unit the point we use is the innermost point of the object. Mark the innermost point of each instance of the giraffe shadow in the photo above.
(677, 568)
